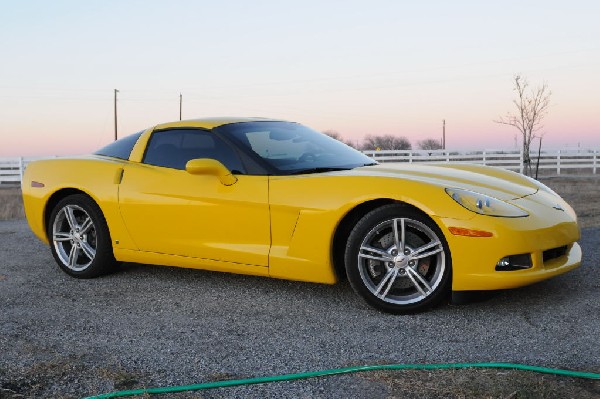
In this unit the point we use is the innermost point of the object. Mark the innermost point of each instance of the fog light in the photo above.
(514, 262)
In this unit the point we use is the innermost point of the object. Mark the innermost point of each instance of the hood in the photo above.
(495, 182)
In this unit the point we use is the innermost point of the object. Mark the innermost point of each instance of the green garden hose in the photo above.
(322, 373)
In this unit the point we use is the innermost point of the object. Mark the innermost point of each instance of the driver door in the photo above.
(170, 211)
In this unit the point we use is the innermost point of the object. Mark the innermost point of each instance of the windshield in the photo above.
(291, 148)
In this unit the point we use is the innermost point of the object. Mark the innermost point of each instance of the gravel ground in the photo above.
(150, 326)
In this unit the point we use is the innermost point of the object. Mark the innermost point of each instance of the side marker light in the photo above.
(459, 231)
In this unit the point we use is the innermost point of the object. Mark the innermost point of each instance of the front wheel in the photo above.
(398, 260)
(79, 238)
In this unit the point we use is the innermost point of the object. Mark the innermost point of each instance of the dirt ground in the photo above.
(582, 192)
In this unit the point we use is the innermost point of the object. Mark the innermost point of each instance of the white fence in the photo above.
(11, 170)
(553, 161)
(559, 161)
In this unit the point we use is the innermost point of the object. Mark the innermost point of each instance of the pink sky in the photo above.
(383, 68)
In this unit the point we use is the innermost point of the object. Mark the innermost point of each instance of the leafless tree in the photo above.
(386, 142)
(531, 108)
(336, 135)
(429, 144)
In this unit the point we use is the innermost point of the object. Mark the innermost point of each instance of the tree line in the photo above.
(530, 109)
(386, 142)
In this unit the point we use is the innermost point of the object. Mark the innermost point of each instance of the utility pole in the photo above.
(180, 102)
(116, 91)
(443, 134)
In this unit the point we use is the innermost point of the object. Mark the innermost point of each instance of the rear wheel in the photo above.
(79, 238)
(398, 260)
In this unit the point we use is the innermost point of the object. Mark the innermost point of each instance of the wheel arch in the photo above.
(347, 223)
(101, 259)
(55, 198)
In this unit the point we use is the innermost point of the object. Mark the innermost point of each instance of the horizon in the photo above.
(385, 68)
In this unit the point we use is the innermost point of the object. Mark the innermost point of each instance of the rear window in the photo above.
(121, 148)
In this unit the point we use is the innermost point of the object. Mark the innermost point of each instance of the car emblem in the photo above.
(558, 207)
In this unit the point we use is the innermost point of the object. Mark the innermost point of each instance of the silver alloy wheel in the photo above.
(401, 261)
(74, 237)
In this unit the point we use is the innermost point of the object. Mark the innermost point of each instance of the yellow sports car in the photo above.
(275, 198)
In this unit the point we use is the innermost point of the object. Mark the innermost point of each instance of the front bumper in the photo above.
(474, 259)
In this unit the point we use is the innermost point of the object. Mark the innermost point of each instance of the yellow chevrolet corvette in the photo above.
(275, 198)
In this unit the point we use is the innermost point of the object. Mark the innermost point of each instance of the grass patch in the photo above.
(11, 204)
(66, 378)
(582, 193)
(483, 383)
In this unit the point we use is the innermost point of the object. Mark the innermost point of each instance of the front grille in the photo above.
(554, 253)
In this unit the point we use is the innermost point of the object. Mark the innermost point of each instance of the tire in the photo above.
(79, 238)
(398, 260)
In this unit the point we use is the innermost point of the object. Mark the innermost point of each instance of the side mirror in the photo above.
(205, 166)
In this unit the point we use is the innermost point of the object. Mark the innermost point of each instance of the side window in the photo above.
(121, 148)
(174, 148)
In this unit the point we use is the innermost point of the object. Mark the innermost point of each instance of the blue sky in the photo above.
(377, 67)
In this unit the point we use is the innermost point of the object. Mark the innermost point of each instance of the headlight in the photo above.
(484, 205)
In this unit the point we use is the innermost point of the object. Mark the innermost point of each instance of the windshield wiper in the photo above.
(317, 170)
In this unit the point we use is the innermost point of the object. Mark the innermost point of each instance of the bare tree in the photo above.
(386, 142)
(532, 106)
(336, 135)
(429, 144)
